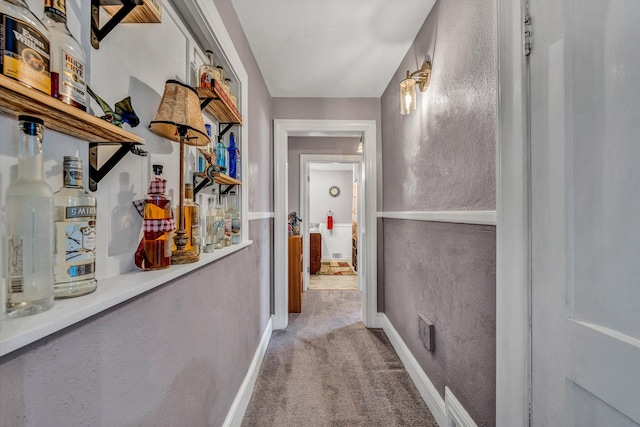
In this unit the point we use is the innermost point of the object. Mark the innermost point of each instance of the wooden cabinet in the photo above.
(295, 274)
(315, 252)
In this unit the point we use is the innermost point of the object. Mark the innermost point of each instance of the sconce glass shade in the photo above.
(180, 108)
(407, 96)
(359, 150)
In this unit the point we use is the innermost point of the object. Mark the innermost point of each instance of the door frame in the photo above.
(513, 241)
(305, 198)
(283, 128)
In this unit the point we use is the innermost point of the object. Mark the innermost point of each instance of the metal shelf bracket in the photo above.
(97, 33)
(95, 174)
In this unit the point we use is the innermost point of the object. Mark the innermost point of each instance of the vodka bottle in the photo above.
(215, 224)
(24, 46)
(209, 228)
(68, 59)
(235, 220)
(29, 220)
(75, 234)
(158, 224)
(227, 223)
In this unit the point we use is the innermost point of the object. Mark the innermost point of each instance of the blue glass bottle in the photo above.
(233, 155)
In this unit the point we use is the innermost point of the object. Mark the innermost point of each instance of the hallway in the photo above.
(327, 369)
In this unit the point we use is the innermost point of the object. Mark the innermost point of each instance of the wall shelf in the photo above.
(150, 11)
(138, 11)
(17, 99)
(218, 178)
(216, 102)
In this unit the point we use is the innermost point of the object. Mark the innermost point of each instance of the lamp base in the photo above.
(182, 255)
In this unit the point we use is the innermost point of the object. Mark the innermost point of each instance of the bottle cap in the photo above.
(30, 124)
(72, 161)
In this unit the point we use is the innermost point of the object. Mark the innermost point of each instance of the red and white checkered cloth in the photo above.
(153, 228)
(157, 186)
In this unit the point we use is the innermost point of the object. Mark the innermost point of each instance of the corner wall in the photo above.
(178, 354)
(442, 158)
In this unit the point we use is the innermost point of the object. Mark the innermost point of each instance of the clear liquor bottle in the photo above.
(68, 59)
(235, 219)
(29, 216)
(28, 62)
(74, 270)
(218, 224)
(227, 223)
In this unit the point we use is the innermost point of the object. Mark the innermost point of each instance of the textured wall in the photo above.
(175, 355)
(442, 157)
(312, 145)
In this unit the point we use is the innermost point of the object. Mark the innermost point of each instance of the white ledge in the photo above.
(254, 216)
(19, 332)
(460, 217)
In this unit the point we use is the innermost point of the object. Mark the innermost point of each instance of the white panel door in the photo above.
(585, 211)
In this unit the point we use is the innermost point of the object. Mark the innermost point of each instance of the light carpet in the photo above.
(327, 369)
(336, 283)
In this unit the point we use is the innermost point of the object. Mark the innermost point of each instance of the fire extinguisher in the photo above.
(329, 220)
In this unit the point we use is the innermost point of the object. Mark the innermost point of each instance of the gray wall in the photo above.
(312, 145)
(175, 355)
(442, 157)
(334, 109)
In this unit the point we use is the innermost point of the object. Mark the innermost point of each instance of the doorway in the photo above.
(339, 245)
(368, 201)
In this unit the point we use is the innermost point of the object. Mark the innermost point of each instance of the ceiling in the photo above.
(330, 48)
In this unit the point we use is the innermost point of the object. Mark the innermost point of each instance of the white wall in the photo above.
(320, 201)
(337, 240)
(133, 60)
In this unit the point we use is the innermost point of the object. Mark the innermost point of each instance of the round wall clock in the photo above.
(334, 191)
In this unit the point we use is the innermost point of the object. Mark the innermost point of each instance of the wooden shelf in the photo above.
(17, 99)
(219, 178)
(219, 104)
(148, 12)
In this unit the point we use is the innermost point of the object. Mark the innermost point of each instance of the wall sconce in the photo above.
(408, 87)
(359, 150)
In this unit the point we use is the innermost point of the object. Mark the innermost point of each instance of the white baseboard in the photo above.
(241, 401)
(423, 383)
(457, 416)
(254, 216)
(460, 217)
